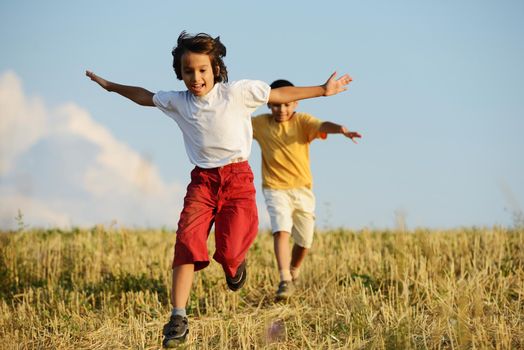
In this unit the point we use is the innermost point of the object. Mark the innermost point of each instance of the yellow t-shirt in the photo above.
(285, 149)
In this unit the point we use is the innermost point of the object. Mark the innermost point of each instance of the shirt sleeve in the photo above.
(166, 101)
(162, 99)
(254, 93)
(311, 126)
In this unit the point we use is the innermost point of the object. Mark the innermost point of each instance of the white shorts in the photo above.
(292, 211)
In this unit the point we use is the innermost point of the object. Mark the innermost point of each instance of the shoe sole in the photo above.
(175, 342)
(236, 286)
(285, 296)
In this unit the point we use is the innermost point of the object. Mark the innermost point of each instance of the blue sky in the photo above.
(437, 95)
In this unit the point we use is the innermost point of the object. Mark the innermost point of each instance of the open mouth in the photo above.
(197, 88)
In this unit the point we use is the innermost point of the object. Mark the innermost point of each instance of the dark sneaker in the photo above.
(285, 290)
(175, 331)
(235, 283)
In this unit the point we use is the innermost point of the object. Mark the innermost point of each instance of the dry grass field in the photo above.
(108, 288)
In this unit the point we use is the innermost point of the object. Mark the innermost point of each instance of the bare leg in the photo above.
(181, 286)
(298, 255)
(281, 246)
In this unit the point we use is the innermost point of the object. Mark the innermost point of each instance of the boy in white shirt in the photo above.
(215, 119)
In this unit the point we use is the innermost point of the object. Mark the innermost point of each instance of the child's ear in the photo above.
(217, 71)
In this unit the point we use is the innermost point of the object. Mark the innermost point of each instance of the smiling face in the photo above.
(197, 73)
(283, 112)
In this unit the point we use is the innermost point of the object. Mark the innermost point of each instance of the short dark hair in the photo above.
(280, 83)
(205, 44)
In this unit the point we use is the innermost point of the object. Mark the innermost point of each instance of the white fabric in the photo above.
(217, 126)
(292, 211)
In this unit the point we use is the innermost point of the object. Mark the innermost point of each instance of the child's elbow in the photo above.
(146, 100)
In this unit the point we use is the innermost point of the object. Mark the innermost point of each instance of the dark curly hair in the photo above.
(205, 44)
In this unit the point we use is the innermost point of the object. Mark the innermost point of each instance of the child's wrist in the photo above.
(324, 90)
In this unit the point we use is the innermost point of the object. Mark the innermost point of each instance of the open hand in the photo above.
(333, 86)
(100, 81)
(351, 134)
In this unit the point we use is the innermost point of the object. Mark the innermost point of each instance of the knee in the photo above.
(279, 235)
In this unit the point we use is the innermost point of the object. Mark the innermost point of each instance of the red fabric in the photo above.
(224, 196)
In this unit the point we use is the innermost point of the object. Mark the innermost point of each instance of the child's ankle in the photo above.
(179, 312)
(285, 275)
(295, 272)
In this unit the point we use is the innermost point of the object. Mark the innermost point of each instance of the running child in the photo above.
(284, 137)
(215, 119)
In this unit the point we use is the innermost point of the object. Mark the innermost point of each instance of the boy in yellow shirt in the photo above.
(284, 137)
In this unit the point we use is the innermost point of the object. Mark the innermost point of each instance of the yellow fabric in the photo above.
(285, 149)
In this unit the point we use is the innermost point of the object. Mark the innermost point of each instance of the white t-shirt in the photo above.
(217, 126)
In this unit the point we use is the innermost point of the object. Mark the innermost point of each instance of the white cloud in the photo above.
(22, 120)
(59, 167)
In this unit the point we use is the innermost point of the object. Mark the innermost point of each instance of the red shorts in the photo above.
(224, 196)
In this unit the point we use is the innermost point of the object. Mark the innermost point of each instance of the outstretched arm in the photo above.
(332, 128)
(294, 93)
(136, 94)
